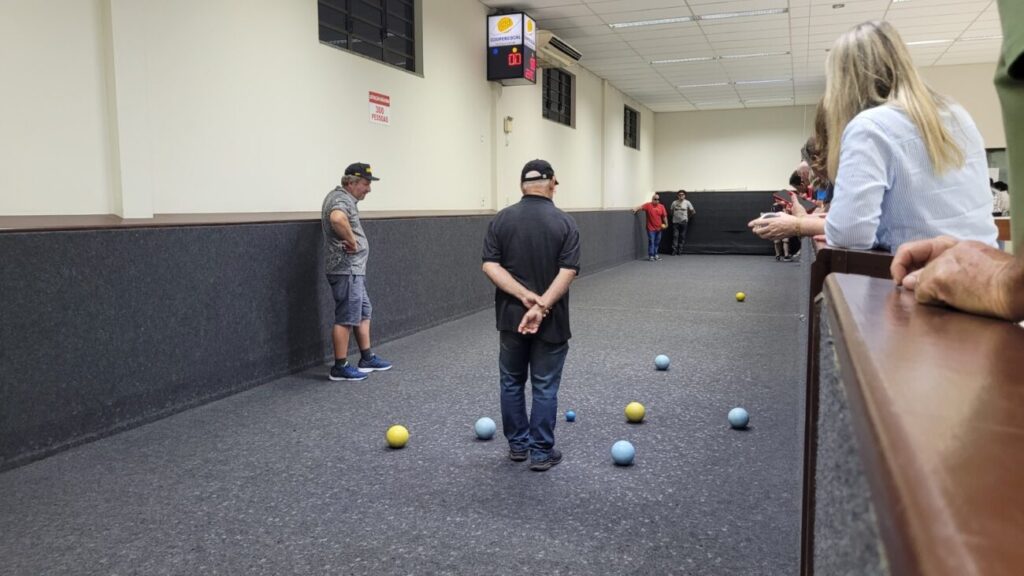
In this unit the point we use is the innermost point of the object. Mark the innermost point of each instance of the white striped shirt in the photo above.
(887, 193)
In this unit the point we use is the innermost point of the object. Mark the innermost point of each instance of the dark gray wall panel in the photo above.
(105, 329)
(846, 538)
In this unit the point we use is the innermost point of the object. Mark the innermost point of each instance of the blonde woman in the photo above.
(907, 163)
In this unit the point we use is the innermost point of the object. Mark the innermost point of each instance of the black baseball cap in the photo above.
(537, 170)
(361, 170)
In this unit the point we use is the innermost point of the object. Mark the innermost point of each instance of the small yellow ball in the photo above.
(635, 412)
(397, 436)
(740, 296)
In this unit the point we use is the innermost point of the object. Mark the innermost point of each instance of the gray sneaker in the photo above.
(554, 457)
(518, 455)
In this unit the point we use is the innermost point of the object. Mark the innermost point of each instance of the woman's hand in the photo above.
(775, 228)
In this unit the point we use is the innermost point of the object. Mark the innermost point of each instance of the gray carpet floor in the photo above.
(294, 477)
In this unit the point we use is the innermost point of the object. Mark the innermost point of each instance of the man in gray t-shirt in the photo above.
(681, 211)
(347, 250)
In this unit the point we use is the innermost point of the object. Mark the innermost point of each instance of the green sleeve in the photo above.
(1010, 86)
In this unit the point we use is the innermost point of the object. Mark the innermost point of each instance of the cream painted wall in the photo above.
(253, 114)
(971, 85)
(757, 149)
(628, 173)
(197, 106)
(753, 149)
(574, 152)
(54, 124)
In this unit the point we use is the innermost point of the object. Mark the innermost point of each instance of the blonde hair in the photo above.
(870, 66)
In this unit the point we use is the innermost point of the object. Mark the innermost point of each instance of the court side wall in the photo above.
(138, 107)
(104, 330)
(55, 149)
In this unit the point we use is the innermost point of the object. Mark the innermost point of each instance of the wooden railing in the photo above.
(935, 401)
(827, 260)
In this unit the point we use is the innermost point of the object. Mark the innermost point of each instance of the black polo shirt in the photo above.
(533, 240)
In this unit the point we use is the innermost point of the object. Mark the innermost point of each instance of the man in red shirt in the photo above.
(657, 220)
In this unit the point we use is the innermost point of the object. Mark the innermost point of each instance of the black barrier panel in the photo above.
(720, 226)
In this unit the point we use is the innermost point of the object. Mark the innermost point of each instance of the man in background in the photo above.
(681, 210)
(657, 220)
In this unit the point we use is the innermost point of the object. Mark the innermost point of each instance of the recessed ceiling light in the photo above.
(774, 81)
(763, 100)
(725, 57)
(757, 55)
(976, 38)
(724, 15)
(678, 60)
(718, 16)
(704, 85)
(651, 22)
(928, 42)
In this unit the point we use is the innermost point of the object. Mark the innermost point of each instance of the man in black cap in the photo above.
(347, 251)
(531, 254)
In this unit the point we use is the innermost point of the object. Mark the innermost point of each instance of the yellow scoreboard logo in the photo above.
(505, 30)
(529, 26)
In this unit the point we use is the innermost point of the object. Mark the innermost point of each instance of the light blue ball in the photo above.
(570, 416)
(623, 453)
(485, 428)
(661, 362)
(738, 418)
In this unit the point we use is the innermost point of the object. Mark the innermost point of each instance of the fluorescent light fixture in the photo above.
(757, 55)
(704, 85)
(717, 103)
(679, 60)
(762, 100)
(977, 38)
(718, 16)
(748, 82)
(651, 22)
(726, 57)
(928, 42)
(724, 15)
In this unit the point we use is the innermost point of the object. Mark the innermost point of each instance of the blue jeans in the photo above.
(544, 362)
(653, 241)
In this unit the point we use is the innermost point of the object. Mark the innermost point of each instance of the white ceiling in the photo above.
(957, 32)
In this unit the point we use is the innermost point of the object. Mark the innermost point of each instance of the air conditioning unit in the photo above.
(553, 52)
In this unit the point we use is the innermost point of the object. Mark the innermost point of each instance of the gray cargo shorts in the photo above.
(351, 303)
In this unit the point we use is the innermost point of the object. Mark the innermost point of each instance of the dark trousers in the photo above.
(543, 361)
(678, 236)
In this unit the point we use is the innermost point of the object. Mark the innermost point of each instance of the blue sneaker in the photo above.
(374, 364)
(346, 372)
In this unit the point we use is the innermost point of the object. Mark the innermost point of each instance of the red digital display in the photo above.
(515, 58)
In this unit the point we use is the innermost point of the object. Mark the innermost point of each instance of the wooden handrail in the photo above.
(111, 221)
(1003, 225)
(935, 397)
(826, 261)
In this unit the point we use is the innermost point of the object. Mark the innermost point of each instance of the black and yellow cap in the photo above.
(361, 170)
